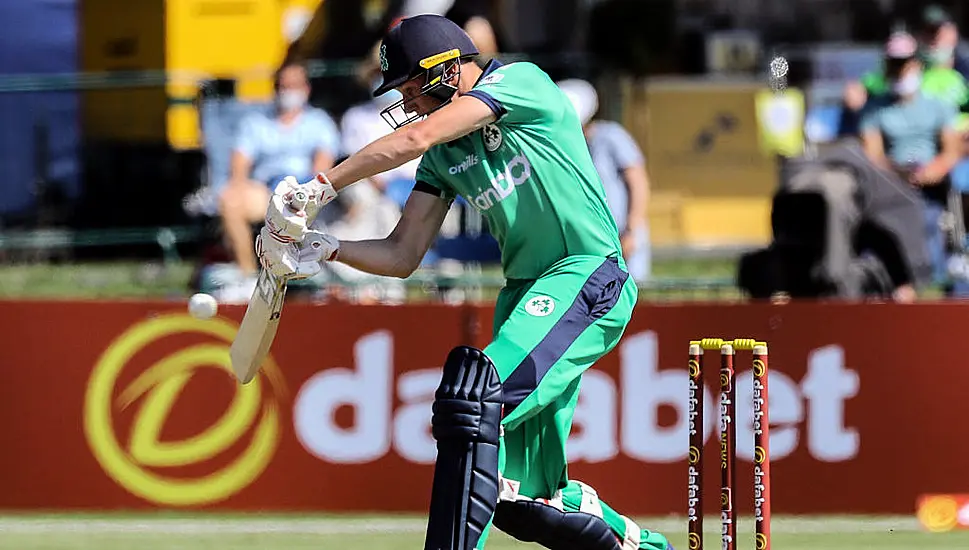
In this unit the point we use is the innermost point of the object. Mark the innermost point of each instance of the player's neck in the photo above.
(470, 73)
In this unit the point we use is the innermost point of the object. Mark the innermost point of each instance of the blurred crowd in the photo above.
(911, 118)
(293, 137)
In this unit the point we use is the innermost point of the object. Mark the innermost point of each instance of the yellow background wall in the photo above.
(191, 40)
(712, 179)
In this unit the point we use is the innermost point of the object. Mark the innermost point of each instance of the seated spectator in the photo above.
(368, 214)
(938, 80)
(622, 169)
(362, 124)
(914, 135)
(294, 140)
(942, 45)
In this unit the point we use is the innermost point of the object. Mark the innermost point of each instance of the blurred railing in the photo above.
(22, 250)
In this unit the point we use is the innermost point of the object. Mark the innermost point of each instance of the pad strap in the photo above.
(545, 521)
(534, 521)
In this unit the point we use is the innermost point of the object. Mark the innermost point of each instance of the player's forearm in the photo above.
(384, 154)
(322, 162)
(379, 257)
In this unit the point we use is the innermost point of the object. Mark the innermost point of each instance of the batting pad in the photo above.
(466, 423)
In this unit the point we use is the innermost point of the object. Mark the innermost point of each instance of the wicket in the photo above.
(728, 436)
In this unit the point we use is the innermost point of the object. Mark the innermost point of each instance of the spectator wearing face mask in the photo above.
(292, 139)
(947, 59)
(939, 80)
(942, 44)
(914, 135)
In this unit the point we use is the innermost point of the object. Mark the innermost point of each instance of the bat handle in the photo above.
(300, 200)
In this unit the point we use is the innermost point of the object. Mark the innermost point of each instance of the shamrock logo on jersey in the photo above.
(383, 58)
(540, 306)
(492, 137)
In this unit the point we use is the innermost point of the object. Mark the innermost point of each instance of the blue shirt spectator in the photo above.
(912, 129)
(915, 136)
(622, 170)
(613, 151)
(292, 139)
(277, 149)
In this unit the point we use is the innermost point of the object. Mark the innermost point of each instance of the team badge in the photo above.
(492, 137)
(540, 306)
(383, 58)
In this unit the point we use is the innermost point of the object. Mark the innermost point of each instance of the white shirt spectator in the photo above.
(362, 124)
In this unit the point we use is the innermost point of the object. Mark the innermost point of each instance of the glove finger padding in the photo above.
(279, 258)
(286, 185)
(316, 248)
(285, 223)
(294, 206)
(320, 193)
(325, 247)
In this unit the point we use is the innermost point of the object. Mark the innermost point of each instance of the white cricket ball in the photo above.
(202, 306)
(779, 67)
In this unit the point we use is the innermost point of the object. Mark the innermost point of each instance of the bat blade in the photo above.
(258, 328)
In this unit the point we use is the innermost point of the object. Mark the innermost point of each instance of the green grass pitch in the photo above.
(355, 532)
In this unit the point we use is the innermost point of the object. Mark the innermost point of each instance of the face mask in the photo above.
(908, 85)
(940, 56)
(291, 100)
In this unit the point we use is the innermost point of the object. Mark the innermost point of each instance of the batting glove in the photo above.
(288, 260)
(294, 206)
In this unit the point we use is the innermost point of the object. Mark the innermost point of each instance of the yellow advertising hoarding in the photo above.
(704, 149)
(703, 138)
(118, 37)
(189, 40)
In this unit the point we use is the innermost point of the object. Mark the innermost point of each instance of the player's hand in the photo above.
(293, 206)
(288, 260)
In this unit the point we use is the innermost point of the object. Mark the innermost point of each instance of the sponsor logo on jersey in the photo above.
(465, 165)
(491, 134)
(516, 173)
(492, 78)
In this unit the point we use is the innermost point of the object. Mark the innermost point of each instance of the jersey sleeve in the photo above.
(948, 114)
(515, 93)
(428, 179)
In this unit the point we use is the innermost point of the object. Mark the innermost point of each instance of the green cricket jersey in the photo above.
(530, 174)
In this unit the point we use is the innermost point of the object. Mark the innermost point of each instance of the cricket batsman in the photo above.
(507, 140)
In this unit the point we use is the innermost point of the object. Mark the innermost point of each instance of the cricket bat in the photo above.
(258, 328)
(259, 325)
